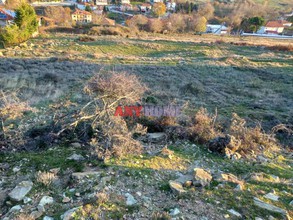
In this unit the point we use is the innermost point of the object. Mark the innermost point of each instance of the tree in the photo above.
(159, 9)
(290, 19)
(200, 24)
(25, 25)
(26, 19)
(155, 25)
(252, 24)
(88, 8)
(206, 10)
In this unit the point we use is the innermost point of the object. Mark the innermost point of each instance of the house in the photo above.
(276, 27)
(145, 7)
(81, 16)
(121, 2)
(156, 1)
(101, 2)
(2, 2)
(125, 7)
(171, 6)
(217, 29)
(6, 17)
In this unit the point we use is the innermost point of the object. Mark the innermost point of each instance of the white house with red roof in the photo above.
(81, 16)
(276, 27)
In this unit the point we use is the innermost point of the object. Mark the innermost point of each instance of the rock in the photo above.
(130, 199)
(269, 207)
(156, 137)
(184, 178)
(201, 177)
(36, 214)
(20, 191)
(75, 145)
(176, 187)
(66, 199)
(83, 175)
(275, 178)
(41, 208)
(15, 169)
(233, 212)
(239, 187)
(258, 218)
(55, 170)
(15, 208)
(26, 200)
(174, 212)
(48, 218)
(138, 193)
(228, 177)
(76, 157)
(68, 215)
(262, 159)
(236, 156)
(46, 200)
(224, 145)
(272, 196)
(291, 203)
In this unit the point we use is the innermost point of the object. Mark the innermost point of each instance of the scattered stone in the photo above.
(15, 169)
(236, 156)
(201, 177)
(66, 199)
(41, 208)
(176, 187)
(46, 200)
(48, 218)
(258, 218)
(76, 157)
(130, 199)
(26, 200)
(20, 191)
(82, 175)
(233, 212)
(156, 137)
(267, 206)
(69, 214)
(77, 194)
(239, 187)
(36, 214)
(228, 177)
(272, 196)
(224, 145)
(55, 170)
(15, 208)
(184, 178)
(174, 212)
(138, 193)
(291, 203)
(75, 145)
(262, 159)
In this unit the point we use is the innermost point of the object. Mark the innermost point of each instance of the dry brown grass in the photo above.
(286, 48)
(45, 178)
(203, 126)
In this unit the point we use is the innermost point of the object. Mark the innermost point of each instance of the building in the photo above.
(6, 17)
(101, 2)
(276, 27)
(145, 7)
(124, 2)
(217, 29)
(81, 16)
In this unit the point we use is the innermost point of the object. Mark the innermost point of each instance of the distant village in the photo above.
(84, 12)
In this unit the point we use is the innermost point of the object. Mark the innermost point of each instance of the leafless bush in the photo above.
(113, 135)
(287, 48)
(138, 22)
(203, 126)
(252, 139)
(155, 25)
(11, 108)
(45, 178)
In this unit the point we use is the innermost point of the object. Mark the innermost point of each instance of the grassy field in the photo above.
(228, 74)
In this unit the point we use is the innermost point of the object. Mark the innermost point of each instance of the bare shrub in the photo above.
(11, 109)
(113, 135)
(175, 23)
(155, 25)
(203, 126)
(252, 139)
(161, 216)
(287, 48)
(45, 178)
(138, 22)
